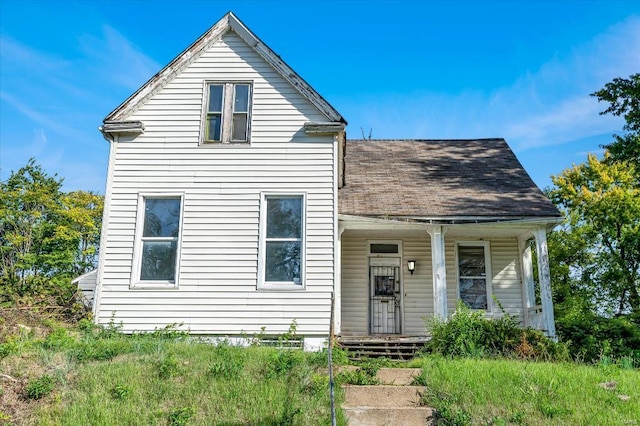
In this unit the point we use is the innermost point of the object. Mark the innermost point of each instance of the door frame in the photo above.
(401, 277)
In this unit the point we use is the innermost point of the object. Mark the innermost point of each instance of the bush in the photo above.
(468, 334)
(591, 337)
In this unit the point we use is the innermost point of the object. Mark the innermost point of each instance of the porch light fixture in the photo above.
(411, 266)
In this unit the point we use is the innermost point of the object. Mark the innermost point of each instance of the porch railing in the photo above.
(534, 314)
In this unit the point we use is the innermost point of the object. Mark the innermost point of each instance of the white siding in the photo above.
(418, 290)
(222, 184)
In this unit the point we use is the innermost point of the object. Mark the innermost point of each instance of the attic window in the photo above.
(227, 115)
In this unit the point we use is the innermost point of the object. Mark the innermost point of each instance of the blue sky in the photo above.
(398, 69)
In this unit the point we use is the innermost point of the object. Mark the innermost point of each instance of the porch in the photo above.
(381, 303)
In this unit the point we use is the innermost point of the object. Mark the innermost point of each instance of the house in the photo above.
(234, 202)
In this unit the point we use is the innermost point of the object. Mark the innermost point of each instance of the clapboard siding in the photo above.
(221, 186)
(418, 289)
(506, 285)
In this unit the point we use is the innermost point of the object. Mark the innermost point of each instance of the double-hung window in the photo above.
(474, 275)
(282, 241)
(227, 117)
(157, 241)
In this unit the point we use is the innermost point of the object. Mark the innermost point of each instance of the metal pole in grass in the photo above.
(331, 385)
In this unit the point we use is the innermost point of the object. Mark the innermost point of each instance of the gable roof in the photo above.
(439, 179)
(229, 22)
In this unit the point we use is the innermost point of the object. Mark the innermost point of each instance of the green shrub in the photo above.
(468, 334)
(284, 361)
(40, 387)
(591, 337)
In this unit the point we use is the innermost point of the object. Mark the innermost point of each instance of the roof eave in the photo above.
(459, 220)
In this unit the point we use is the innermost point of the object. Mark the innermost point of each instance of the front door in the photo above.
(385, 291)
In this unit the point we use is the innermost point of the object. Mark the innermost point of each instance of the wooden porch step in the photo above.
(398, 348)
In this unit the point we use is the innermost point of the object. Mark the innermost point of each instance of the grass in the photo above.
(54, 375)
(484, 391)
(105, 378)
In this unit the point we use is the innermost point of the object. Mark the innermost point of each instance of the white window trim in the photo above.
(262, 252)
(227, 112)
(488, 273)
(136, 283)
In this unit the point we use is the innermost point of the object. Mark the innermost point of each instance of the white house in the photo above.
(234, 202)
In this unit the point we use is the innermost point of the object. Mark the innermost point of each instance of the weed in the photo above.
(59, 338)
(228, 368)
(167, 366)
(120, 391)
(421, 379)
(284, 361)
(40, 387)
(181, 416)
(317, 384)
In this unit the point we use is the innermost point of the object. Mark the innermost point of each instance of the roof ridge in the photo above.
(426, 140)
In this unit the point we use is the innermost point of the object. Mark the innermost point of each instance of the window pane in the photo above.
(471, 261)
(283, 261)
(158, 261)
(284, 217)
(215, 97)
(241, 98)
(161, 217)
(214, 127)
(384, 248)
(473, 292)
(239, 127)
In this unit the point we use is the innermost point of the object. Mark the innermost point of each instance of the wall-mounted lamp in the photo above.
(411, 266)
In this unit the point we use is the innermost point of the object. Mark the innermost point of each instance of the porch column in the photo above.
(528, 290)
(540, 235)
(337, 286)
(439, 272)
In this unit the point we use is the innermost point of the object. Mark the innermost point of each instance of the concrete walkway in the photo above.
(393, 402)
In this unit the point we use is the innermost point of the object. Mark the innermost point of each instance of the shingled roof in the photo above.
(438, 179)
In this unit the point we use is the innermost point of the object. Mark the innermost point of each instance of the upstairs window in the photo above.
(227, 113)
(474, 277)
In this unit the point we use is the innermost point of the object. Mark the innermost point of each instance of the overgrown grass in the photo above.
(101, 377)
(85, 375)
(468, 391)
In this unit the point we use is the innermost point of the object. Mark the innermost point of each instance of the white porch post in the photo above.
(545, 281)
(528, 291)
(337, 287)
(439, 272)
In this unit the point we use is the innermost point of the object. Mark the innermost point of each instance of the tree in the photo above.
(602, 204)
(46, 236)
(623, 96)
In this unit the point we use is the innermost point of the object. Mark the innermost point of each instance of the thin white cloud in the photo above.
(116, 58)
(549, 106)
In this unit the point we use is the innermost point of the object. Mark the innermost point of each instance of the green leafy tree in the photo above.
(623, 96)
(46, 236)
(601, 241)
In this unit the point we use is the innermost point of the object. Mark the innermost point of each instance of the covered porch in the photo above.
(394, 275)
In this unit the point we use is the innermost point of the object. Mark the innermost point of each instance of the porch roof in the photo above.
(438, 178)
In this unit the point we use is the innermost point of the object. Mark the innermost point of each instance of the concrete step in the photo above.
(389, 416)
(382, 396)
(398, 376)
